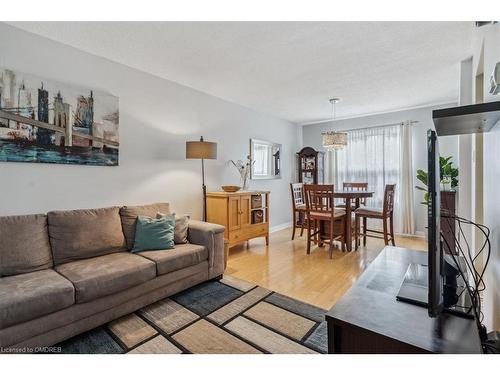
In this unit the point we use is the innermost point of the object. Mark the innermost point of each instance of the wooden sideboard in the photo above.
(243, 219)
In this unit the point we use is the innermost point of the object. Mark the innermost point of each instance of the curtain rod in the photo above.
(378, 126)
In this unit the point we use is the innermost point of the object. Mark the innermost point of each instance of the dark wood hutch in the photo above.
(311, 166)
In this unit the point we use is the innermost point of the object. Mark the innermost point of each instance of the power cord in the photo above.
(478, 277)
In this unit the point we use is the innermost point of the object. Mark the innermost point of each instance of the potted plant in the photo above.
(447, 173)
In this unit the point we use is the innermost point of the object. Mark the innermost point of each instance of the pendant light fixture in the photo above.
(333, 140)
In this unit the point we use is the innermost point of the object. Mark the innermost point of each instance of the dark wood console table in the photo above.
(369, 319)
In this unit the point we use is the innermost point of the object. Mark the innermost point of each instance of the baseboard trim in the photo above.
(419, 233)
(279, 227)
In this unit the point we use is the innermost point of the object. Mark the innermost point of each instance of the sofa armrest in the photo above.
(212, 237)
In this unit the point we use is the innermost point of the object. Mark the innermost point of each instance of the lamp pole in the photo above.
(202, 150)
(203, 186)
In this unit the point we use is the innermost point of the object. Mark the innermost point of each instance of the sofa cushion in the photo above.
(180, 257)
(24, 244)
(129, 216)
(80, 234)
(106, 274)
(32, 295)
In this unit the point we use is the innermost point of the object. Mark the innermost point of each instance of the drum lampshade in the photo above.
(201, 150)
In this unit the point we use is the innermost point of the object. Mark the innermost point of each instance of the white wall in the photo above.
(489, 38)
(156, 118)
(466, 186)
(448, 145)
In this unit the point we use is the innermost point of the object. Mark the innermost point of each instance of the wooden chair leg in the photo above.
(358, 236)
(314, 229)
(317, 228)
(294, 224)
(308, 236)
(359, 231)
(330, 249)
(303, 224)
(344, 237)
(364, 231)
(356, 232)
(392, 231)
(386, 234)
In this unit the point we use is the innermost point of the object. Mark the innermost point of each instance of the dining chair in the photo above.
(325, 223)
(355, 186)
(385, 214)
(298, 208)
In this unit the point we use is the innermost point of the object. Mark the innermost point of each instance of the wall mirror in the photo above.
(266, 157)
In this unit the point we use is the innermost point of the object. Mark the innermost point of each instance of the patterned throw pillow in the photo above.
(181, 227)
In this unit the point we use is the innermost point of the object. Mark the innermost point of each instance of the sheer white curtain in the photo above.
(406, 182)
(379, 156)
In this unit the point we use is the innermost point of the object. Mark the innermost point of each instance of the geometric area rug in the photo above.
(229, 316)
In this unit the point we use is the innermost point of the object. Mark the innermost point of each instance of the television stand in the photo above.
(414, 290)
(369, 319)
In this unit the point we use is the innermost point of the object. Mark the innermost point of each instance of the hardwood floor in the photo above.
(285, 267)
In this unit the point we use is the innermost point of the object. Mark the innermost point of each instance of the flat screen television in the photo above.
(434, 245)
(438, 284)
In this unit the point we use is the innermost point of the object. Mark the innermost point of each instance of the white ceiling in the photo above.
(288, 69)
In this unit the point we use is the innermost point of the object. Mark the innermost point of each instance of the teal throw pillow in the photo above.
(154, 234)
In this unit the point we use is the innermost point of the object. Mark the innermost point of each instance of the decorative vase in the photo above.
(244, 171)
(244, 182)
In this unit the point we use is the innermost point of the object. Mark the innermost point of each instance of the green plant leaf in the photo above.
(422, 176)
(446, 169)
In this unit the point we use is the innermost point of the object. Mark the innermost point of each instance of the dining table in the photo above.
(349, 196)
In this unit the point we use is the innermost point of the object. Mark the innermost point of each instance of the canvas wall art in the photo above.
(44, 121)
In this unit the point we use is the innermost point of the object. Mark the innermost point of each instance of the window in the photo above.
(372, 155)
(378, 156)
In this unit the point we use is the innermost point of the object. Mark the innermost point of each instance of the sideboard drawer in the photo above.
(248, 232)
(236, 236)
(255, 230)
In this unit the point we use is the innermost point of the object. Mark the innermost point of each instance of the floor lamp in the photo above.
(202, 150)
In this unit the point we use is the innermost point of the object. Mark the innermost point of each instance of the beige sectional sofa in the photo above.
(70, 271)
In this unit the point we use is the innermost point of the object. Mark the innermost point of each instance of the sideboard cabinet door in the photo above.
(245, 209)
(234, 213)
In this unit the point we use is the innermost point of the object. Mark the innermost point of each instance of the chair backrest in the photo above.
(356, 186)
(297, 190)
(389, 199)
(319, 198)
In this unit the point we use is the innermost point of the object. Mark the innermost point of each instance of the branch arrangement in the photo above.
(244, 170)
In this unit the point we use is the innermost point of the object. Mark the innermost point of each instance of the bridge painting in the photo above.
(44, 121)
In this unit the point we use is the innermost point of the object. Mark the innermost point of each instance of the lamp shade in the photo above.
(201, 150)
